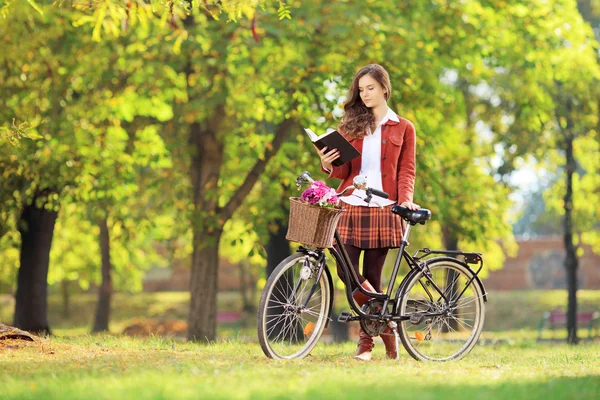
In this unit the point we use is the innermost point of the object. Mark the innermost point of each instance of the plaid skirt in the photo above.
(370, 227)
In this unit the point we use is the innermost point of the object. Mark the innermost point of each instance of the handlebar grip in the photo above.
(379, 193)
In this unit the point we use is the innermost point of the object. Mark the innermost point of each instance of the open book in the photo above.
(334, 140)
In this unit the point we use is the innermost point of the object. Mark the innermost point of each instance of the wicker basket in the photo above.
(312, 225)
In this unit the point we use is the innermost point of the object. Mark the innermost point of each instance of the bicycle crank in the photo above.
(370, 326)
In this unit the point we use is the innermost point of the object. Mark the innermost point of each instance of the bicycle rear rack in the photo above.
(469, 257)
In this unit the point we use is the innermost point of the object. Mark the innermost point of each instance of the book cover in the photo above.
(334, 140)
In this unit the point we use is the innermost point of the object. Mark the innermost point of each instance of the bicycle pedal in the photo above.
(416, 318)
(344, 317)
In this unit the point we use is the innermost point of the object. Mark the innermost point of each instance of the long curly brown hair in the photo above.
(358, 118)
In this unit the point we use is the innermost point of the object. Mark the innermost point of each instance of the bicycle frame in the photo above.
(349, 275)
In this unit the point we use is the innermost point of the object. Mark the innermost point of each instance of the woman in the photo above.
(387, 145)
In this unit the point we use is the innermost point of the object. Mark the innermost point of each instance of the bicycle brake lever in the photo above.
(303, 179)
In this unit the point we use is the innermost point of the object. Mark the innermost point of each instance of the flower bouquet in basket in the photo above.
(314, 216)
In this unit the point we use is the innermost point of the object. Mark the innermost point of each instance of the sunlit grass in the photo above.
(109, 367)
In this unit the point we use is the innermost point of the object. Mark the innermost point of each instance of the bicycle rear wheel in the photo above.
(453, 334)
(287, 329)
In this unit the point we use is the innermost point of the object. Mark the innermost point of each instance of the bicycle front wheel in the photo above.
(293, 308)
(443, 327)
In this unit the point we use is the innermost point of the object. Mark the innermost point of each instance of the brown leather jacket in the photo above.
(398, 150)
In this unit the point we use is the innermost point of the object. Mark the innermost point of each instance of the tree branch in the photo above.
(238, 197)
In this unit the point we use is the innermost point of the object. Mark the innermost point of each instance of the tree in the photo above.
(32, 86)
(81, 152)
(554, 104)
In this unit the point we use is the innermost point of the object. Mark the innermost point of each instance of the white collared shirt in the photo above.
(371, 166)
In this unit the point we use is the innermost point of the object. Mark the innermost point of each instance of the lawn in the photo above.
(74, 364)
(119, 367)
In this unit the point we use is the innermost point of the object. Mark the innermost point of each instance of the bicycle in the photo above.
(439, 305)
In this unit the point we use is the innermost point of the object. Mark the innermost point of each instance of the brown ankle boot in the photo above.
(362, 298)
(365, 345)
(390, 340)
(365, 342)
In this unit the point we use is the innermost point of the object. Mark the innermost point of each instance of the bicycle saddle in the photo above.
(414, 217)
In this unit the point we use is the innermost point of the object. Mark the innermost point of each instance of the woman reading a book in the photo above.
(387, 145)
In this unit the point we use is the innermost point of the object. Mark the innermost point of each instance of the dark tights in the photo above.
(372, 265)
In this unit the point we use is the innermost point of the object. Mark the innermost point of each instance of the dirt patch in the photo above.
(41, 347)
(14, 344)
(149, 326)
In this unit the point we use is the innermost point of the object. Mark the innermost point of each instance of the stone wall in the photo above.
(539, 265)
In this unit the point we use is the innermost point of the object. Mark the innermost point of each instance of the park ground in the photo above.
(74, 364)
(109, 367)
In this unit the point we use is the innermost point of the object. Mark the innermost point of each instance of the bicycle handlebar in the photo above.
(358, 183)
(369, 191)
(379, 193)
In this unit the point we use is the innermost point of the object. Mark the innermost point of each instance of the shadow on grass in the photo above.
(586, 387)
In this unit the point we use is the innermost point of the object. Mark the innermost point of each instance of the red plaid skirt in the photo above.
(370, 227)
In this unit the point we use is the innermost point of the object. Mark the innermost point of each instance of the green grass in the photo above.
(114, 367)
(510, 310)
(74, 364)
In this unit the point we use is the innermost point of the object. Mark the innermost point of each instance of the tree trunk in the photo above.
(209, 219)
(244, 285)
(278, 247)
(571, 262)
(36, 226)
(105, 290)
(451, 243)
(64, 285)
(247, 288)
(207, 225)
(203, 287)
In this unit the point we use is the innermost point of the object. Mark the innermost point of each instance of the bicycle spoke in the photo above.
(450, 286)
(470, 300)
(313, 313)
(283, 329)
(280, 303)
(282, 294)
(270, 330)
(461, 323)
(293, 328)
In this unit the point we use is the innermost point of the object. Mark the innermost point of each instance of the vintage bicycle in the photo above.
(439, 306)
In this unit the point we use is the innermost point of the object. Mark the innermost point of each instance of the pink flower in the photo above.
(320, 194)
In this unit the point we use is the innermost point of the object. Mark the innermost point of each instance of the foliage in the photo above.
(90, 153)
(551, 93)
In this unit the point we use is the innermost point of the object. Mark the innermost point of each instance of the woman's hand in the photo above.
(327, 157)
(410, 205)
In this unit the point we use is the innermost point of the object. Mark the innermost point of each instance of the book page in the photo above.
(313, 136)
